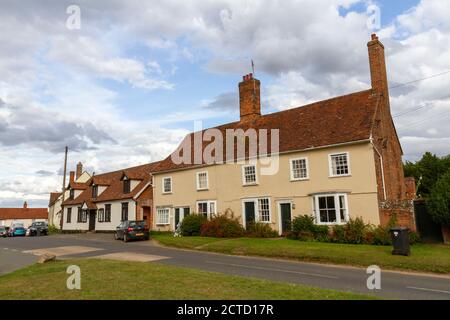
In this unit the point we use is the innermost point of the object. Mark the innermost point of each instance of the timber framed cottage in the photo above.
(338, 159)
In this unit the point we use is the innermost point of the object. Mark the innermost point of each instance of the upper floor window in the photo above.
(249, 175)
(202, 180)
(126, 186)
(339, 164)
(72, 194)
(207, 208)
(162, 216)
(167, 185)
(94, 191)
(331, 209)
(299, 169)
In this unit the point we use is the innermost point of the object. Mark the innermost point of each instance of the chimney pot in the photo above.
(25, 205)
(374, 36)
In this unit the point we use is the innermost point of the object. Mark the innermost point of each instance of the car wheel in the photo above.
(125, 238)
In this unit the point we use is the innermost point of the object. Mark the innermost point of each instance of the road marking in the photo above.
(431, 290)
(274, 269)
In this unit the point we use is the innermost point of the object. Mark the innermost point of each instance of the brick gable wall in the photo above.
(394, 200)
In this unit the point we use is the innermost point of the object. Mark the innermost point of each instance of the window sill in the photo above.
(298, 180)
(167, 193)
(163, 224)
(204, 189)
(341, 176)
(250, 184)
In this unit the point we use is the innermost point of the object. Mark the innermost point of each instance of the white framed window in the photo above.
(207, 208)
(264, 210)
(202, 181)
(249, 176)
(299, 169)
(331, 209)
(339, 164)
(162, 216)
(167, 185)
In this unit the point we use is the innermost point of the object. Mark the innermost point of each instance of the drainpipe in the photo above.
(382, 168)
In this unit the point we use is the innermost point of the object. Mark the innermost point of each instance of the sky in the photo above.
(124, 86)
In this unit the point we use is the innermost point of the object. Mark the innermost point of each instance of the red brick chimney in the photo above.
(25, 205)
(72, 177)
(378, 71)
(250, 97)
(79, 170)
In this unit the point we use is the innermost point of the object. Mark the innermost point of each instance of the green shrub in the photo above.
(222, 227)
(261, 230)
(302, 224)
(338, 234)
(304, 229)
(414, 237)
(355, 230)
(53, 229)
(192, 224)
(382, 236)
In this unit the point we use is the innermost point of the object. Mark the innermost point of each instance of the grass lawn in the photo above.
(424, 257)
(105, 279)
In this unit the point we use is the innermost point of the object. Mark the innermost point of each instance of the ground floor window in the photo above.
(207, 208)
(331, 208)
(264, 209)
(124, 211)
(162, 216)
(107, 213)
(69, 215)
(101, 215)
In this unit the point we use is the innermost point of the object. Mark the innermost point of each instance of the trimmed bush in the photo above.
(261, 230)
(191, 225)
(222, 227)
(304, 229)
(355, 230)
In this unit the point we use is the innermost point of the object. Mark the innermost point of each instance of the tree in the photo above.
(439, 201)
(428, 171)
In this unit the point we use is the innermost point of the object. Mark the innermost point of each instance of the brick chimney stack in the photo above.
(79, 170)
(72, 177)
(250, 97)
(377, 62)
(25, 205)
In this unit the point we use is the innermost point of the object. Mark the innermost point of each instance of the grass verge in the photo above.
(106, 279)
(424, 257)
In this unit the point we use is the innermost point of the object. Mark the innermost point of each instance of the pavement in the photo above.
(16, 253)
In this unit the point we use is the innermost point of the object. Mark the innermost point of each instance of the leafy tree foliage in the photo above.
(439, 200)
(427, 171)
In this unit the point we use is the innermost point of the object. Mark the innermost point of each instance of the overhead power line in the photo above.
(418, 80)
(411, 111)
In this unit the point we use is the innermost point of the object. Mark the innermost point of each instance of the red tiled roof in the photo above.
(77, 186)
(53, 197)
(339, 120)
(114, 190)
(23, 213)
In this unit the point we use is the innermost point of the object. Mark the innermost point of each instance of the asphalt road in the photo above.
(394, 285)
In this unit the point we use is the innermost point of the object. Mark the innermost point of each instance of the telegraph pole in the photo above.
(63, 187)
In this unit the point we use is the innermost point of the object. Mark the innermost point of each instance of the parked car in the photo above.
(3, 232)
(17, 230)
(132, 230)
(38, 228)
